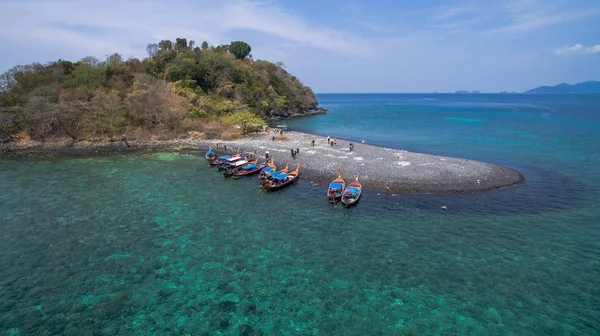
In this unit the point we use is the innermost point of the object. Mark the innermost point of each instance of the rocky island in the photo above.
(184, 97)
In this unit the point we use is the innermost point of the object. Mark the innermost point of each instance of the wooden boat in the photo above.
(265, 167)
(352, 192)
(223, 159)
(228, 162)
(233, 167)
(250, 169)
(279, 180)
(266, 173)
(336, 188)
(210, 154)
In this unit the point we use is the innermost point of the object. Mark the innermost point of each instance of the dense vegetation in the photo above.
(178, 88)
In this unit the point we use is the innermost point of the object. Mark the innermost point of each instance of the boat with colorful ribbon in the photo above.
(279, 180)
(254, 168)
(267, 172)
(210, 154)
(223, 159)
(336, 188)
(352, 192)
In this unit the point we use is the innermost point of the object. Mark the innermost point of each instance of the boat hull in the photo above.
(352, 193)
(334, 198)
(272, 187)
(247, 172)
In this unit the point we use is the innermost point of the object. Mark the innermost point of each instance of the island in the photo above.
(466, 92)
(584, 87)
(188, 98)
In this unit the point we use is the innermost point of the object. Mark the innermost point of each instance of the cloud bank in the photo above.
(578, 49)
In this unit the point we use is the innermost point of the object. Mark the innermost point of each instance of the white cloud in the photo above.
(532, 15)
(578, 49)
(90, 27)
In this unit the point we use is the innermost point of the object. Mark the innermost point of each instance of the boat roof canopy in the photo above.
(335, 185)
(239, 163)
(224, 157)
(235, 158)
(252, 166)
(280, 176)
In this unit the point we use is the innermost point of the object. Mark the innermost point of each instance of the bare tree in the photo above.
(152, 49)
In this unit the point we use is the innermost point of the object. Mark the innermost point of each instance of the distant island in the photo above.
(585, 87)
(466, 92)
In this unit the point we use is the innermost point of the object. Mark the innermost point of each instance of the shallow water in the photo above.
(161, 244)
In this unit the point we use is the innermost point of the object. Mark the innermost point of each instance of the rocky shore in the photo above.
(288, 115)
(402, 171)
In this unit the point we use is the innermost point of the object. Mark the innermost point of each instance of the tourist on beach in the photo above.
(387, 190)
(297, 150)
(328, 140)
(267, 155)
(273, 138)
(313, 142)
(331, 143)
(292, 152)
(335, 142)
(350, 146)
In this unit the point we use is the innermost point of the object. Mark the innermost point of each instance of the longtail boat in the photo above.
(250, 169)
(352, 192)
(280, 180)
(233, 167)
(228, 162)
(230, 168)
(210, 154)
(222, 159)
(267, 173)
(336, 188)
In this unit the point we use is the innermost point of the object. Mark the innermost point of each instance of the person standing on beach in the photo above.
(350, 146)
(335, 142)
(297, 150)
(331, 143)
(273, 138)
(328, 140)
(267, 155)
(313, 142)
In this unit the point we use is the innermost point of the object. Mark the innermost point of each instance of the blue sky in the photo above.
(333, 45)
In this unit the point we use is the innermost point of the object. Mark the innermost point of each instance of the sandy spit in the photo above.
(378, 167)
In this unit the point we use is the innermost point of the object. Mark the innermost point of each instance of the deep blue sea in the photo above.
(160, 244)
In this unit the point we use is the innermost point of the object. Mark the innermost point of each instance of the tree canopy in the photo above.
(177, 85)
(240, 49)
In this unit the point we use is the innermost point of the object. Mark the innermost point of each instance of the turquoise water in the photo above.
(161, 244)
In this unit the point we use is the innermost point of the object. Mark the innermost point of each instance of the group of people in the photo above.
(294, 152)
(331, 141)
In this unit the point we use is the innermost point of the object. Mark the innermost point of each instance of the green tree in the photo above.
(165, 45)
(240, 49)
(204, 45)
(180, 44)
(244, 120)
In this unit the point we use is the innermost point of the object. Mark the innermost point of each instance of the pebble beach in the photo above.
(378, 167)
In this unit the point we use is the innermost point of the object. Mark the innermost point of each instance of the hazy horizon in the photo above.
(337, 47)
